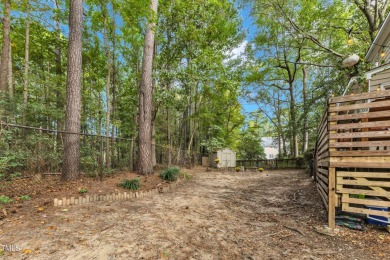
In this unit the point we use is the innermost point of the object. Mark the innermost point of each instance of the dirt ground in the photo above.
(215, 215)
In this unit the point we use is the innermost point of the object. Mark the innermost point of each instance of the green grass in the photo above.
(5, 200)
(170, 174)
(130, 184)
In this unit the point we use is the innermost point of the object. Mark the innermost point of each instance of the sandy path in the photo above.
(213, 216)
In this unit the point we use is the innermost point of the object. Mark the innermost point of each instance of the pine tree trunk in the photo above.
(11, 87)
(113, 131)
(58, 59)
(26, 63)
(305, 112)
(145, 162)
(108, 83)
(71, 162)
(5, 55)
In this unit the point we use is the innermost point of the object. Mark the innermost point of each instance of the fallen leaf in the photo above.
(40, 209)
(65, 210)
(26, 251)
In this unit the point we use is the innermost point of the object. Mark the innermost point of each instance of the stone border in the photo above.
(113, 196)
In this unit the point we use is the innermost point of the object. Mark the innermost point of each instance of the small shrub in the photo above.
(130, 184)
(260, 169)
(83, 190)
(170, 174)
(25, 197)
(5, 200)
(238, 169)
(187, 176)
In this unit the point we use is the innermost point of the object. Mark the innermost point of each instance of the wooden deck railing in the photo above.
(353, 154)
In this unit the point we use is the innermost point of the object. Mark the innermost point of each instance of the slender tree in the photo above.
(145, 161)
(71, 161)
(5, 51)
(26, 63)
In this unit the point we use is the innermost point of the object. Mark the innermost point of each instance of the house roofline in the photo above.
(375, 46)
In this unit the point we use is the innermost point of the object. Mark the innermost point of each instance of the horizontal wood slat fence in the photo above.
(352, 158)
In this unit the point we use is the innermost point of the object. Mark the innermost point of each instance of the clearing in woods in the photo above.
(269, 215)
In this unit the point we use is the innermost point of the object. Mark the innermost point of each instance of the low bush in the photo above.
(170, 174)
(132, 184)
(5, 200)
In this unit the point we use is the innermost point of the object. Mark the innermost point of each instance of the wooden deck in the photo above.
(352, 159)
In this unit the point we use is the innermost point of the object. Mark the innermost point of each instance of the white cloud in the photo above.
(237, 52)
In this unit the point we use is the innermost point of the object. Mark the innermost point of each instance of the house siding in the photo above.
(377, 80)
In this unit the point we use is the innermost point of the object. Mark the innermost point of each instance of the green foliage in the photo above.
(170, 174)
(250, 146)
(25, 197)
(83, 190)
(238, 169)
(132, 184)
(5, 199)
(260, 169)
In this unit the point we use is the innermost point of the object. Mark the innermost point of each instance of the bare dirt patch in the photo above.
(269, 215)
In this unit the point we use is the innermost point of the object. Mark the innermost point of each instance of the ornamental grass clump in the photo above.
(132, 184)
(170, 174)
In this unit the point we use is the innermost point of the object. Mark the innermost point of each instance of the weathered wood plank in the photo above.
(372, 134)
(360, 165)
(359, 144)
(382, 193)
(332, 198)
(323, 197)
(374, 94)
(360, 116)
(323, 163)
(323, 149)
(360, 153)
(367, 159)
(380, 203)
(324, 171)
(323, 178)
(360, 106)
(384, 124)
(323, 155)
(366, 211)
(364, 182)
(382, 175)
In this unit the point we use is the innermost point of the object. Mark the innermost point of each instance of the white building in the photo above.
(227, 158)
(270, 145)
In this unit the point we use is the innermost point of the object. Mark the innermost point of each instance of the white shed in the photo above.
(227, 158)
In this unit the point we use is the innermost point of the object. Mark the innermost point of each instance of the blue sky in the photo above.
(250, 33)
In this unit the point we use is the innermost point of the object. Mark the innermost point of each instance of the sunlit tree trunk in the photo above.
(108, 86)
(145, 162)
(5, 50)
(71, 161)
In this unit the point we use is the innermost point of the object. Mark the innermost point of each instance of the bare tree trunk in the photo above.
(145, 162)
(71, 161)
(60, 97)
(169, 141)
(113, 89)
(305, 112)
(108, 86)
(26, 63)
(154, 158)
(5, 55)
(11, 87)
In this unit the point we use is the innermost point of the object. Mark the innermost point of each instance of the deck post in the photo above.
(332, 198)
